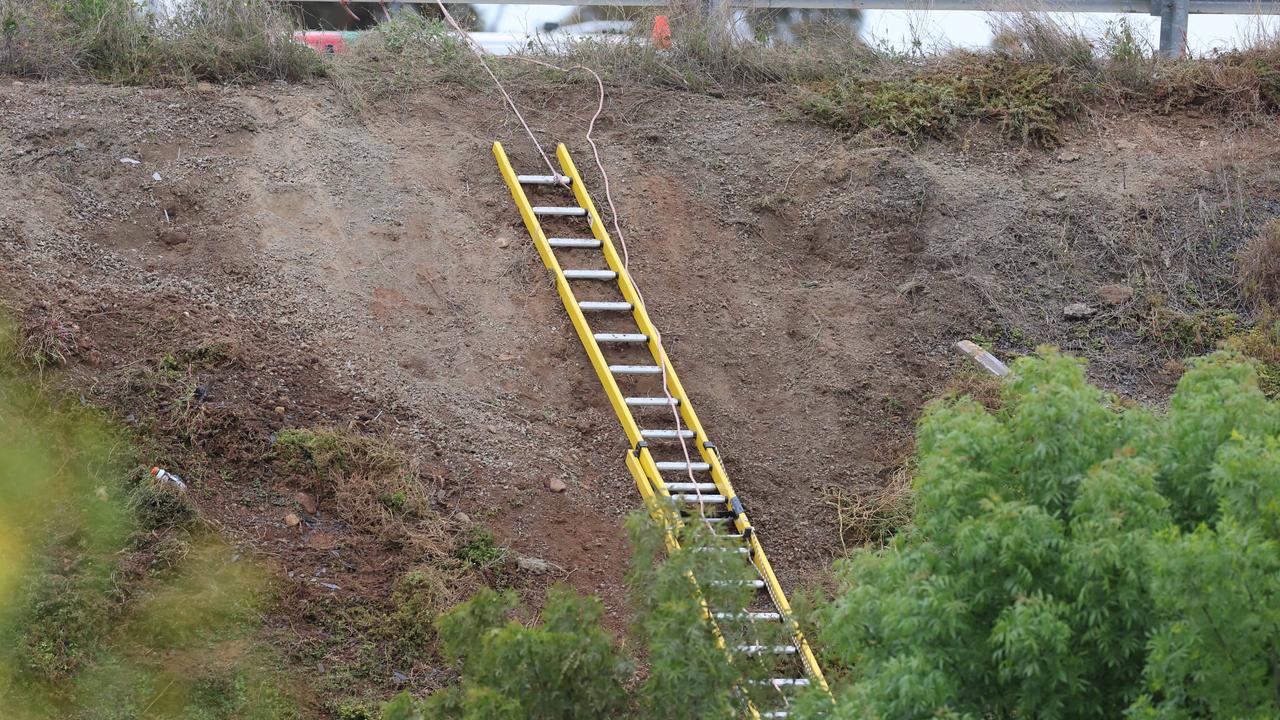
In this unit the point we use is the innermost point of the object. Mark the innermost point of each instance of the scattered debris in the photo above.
(1079, 311)
(161, 474)
(983, 358)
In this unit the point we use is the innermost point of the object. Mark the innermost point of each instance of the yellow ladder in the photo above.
(667, 501)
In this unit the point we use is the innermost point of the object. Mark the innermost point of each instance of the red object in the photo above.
(323, 41)
(661, 32)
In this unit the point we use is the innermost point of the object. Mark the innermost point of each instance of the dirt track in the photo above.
(809, 285)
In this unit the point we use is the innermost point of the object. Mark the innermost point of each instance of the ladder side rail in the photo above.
(712, 458)
(576, 316)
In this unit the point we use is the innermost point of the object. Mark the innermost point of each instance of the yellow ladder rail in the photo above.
(640, 460)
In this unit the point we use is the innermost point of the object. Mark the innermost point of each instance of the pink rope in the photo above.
(608, 194)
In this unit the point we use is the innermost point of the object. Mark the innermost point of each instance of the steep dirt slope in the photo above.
(375, 273)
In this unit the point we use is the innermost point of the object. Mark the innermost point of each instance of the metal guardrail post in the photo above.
(1173, 26)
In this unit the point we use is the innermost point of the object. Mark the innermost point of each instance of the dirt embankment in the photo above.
(374, 274)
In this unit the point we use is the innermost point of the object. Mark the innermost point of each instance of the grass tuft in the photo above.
(118, 41)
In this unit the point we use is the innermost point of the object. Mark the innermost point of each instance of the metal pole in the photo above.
(1173, 27)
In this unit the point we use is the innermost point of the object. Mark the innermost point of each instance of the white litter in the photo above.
(155, 176)
(130, 161)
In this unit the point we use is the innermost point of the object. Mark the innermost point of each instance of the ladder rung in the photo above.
(704, 499)
(621, 337)
(665, 434)
(573, 242)
(737, 550)
(750, 616)
(765, 649)
(782, 682)
(775, 715)
(588, 305)
(691, 487)
(563, 211)
(544, 180)
(635, 369)
(590, 274)
(716, 519)
(650, 401)
(737, 583)
(695, 466)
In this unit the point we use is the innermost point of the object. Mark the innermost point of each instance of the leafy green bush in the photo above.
(1073, 559)
(564, 667)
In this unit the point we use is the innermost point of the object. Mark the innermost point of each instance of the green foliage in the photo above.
(110, 608)
(688, 674)
(1069, 559)
(563, 667)
(1026, 99)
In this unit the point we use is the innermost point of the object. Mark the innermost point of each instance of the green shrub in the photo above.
(1072, 559)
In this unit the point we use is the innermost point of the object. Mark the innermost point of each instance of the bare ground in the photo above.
(374, 274)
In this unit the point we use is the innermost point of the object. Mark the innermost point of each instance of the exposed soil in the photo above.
(375, 274)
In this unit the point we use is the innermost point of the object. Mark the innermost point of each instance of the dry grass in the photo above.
(1260, 267)
(370, 484)
(116, 41)
(873, 516)
(45, 341)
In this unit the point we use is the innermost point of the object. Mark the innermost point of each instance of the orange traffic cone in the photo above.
(661, 32)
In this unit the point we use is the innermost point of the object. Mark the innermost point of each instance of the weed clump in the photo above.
(1260, 267)
(372, 485)
(119, 41)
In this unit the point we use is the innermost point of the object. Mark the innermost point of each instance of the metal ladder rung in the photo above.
(666, 434)
(561, 211)
(590, 274)
(589, 305)
(765, 649)
(635, 369)
(775, 715)
(718, 519)
(694, 466)
(573, 242)
(621, 337)
(651, 401)
(690, 487)
(737, 583)
(735, 550)
(704, 499)
(782, 682)
(750, 616)
(544, 180)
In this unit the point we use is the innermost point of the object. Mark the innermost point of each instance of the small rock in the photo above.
(1115, 294)
(556, 485)
(204, 87)
(1059, 196)
(462, 517)
(292, 520)
(1068, 156)
(156, 176)
(330, 586)
(18, 83)
(399, 676)
(130, 161)
(534, 565)
(306, 501)
(279, 410)
(504, 242)
(1079, 311)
